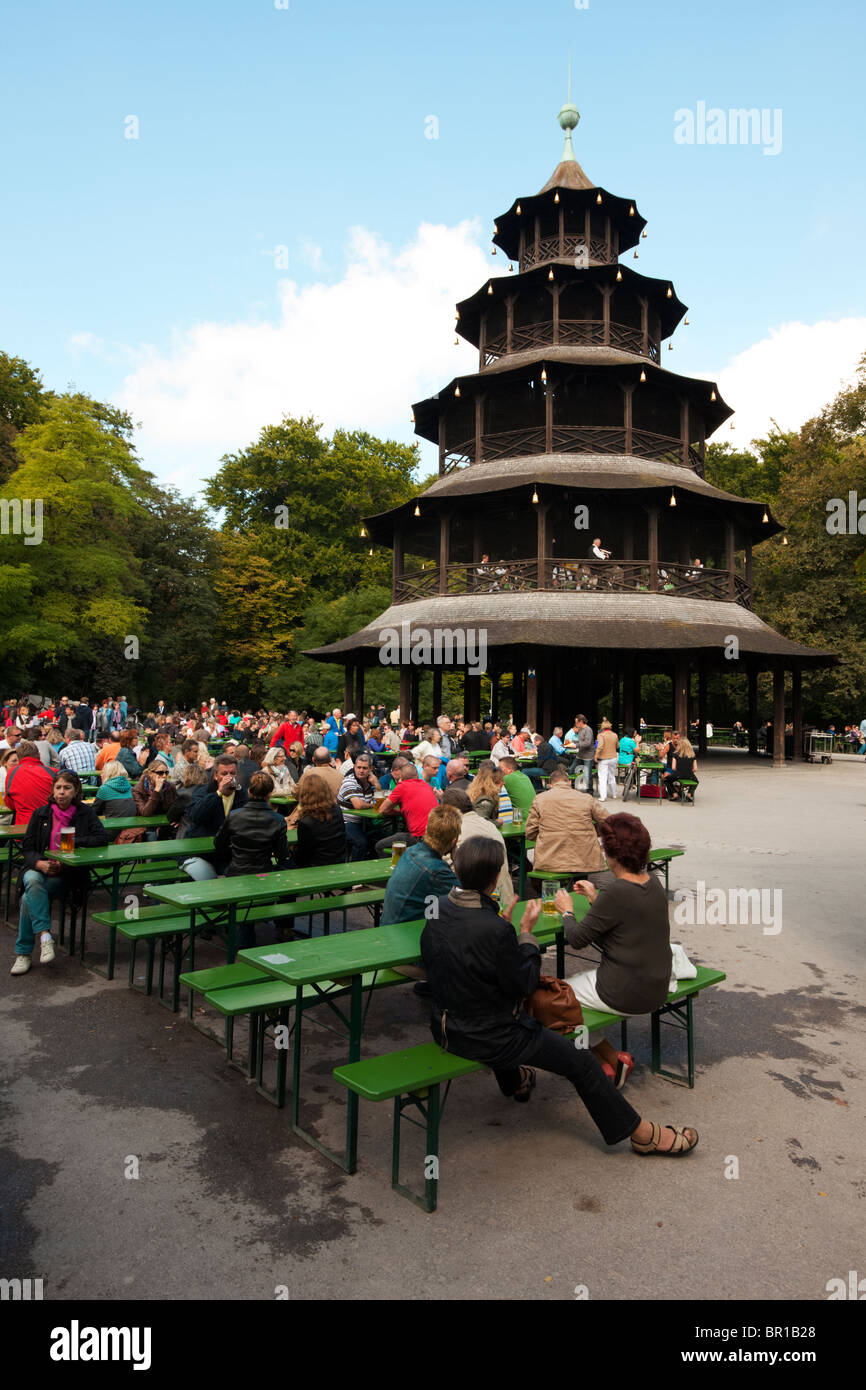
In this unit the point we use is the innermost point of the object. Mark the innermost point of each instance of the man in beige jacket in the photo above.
(562, 823)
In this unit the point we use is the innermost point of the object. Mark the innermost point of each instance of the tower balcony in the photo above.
(576, 439)
(570, 333)
(571, 248)
(576, 576)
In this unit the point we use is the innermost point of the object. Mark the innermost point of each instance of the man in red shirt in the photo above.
(412, 796)
(290, 731)
(30, 785)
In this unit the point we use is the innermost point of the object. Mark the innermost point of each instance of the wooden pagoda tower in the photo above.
(573, 430)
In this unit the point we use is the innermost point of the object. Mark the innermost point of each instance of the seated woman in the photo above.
(628, 922)
(114, 797)
(320, 825)
(295, 763)
(480, 972)
(253, 838)
(683, 764)
(43, 879)
(488, 795)
(276, 765)
(9, 760)
(126, 757)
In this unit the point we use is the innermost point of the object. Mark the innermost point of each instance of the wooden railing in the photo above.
(572, 333)
(582, 575)
(597, 253)
(582, 439)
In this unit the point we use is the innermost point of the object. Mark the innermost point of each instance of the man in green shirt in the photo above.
(519, 787)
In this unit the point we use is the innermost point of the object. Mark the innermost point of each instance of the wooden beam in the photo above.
(548, 418)
(653, 537)
(405, 691)
(627, 412)
(532, 698)
(444, 542)
(555, 290)
(479, 427)
(753, 711)
(348, 686)
(684, 430)
(681, 693)
(779, 716)
(644, 326)
(730, 552)
(702, 709)
(797, 713)
(437, 691)
(397, 558)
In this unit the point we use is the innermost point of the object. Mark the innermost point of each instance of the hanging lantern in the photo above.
(618, 274)
(643, 233)
(712, 395)
(544, 376)
(370, 551)
(496, 229)
(550, 273)
(417, 510)
(670, 346)
(413, 417)
(636, 256)
(535, 494)
(457, 312)
(732, 424)
(670, 293)
(598, 199)
(518, 209)
(673, 501)
(642, 375)
(631, 211)
(556, 196)
(765, 518)
(457, 389)
(784, 540)
(456, 342)
(686, 321)
(490, 288)
(364, 531)
(510, 267)
(493, 252)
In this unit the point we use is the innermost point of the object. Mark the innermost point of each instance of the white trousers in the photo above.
(606, 778)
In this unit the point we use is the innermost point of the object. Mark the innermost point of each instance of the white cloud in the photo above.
(790, 376)
(355, 353)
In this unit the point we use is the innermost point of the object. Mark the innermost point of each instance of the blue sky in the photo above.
(144, 270)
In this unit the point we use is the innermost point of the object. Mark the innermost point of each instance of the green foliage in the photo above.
(22, 402)
(317, 685)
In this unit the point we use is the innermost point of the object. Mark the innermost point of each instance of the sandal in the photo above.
(527, 1076)
(682, 1143)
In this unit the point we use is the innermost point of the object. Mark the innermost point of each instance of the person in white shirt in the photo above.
(598, 550)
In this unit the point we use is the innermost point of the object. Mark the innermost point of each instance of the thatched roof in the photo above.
(652, 623)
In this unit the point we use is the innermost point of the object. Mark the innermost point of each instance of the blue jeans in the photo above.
(198, 869)
(40, 890)
(360, 842)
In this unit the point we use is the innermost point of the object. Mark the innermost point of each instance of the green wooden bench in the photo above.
(690, 784)
(657, 859)
(238, 990)
(412, 1077)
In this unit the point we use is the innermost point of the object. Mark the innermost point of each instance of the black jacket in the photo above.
(206, 816)
(252, 838)
(90, 833)
(83, 718)
(320, 841)
(479, 973)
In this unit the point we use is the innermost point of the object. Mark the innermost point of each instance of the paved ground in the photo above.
(229, 1205)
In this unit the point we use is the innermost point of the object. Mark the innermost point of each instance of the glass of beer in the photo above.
(549, 888)
(396, 850)
(67, 839)
(517, 816)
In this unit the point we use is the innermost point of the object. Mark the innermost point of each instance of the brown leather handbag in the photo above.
(554, 1004)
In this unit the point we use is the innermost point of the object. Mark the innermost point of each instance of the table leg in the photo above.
(521, 881)
(348, 1161)
(10, 844)
(355, 1027)
(112, 931)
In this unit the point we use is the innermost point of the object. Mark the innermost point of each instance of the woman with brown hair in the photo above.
(320, 825)
(9, 760)
(126, 757)
(488, 795)
(684, 764)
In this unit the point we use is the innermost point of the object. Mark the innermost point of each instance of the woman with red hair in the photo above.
(628, 922)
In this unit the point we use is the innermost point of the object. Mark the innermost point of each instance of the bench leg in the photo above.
(432, 1113)
(680, 1016)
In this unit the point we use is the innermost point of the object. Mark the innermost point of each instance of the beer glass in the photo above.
(549, 889)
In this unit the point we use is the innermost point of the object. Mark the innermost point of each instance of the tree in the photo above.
(254, 632)
(22, 403)
(318, 685)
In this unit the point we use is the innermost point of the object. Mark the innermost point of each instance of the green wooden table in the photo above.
(316, 963)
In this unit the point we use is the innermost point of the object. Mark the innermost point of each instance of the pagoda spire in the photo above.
(568, 118)
(568, 173)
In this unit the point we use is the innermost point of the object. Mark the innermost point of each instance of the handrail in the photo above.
(556, 574)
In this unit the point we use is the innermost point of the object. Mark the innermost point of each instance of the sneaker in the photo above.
(47, 953)
(21, 966)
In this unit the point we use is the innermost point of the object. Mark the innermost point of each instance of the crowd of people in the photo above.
(214, 773)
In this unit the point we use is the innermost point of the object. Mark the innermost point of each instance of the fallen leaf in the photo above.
(549, 1279)
(660, 1223)
(822, 1194)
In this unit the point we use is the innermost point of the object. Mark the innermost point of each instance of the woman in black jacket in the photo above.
(320, 825)
(42, 880)
(254, 836)
(480, 973)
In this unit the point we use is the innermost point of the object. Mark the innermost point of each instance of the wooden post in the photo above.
(444, 537)
(607, 240)
(437, 691)
(636, 695)
(587, 232)
(522, 247)
(509, 323)
(479, 427)
(477, 548)
(358, 705)
(541, 536)
(702, 445)
(730, 542)
(518, 695)
(397, 559)
(555, 291)
(532, 698)
(482, 339)
(681, 693)
(548, 418)
(702, 709)
(537, 235)
(627, 394)
(753, 711)
(749, 570)
(778, 716)
(405, 692)
(684, 430)
(653, 536)
(442, 449)
(628, 536)
(562, 229)
(547, 699)
(494, 694)
(606, 291)
(644, 327)
(348, 687)
(797, 713)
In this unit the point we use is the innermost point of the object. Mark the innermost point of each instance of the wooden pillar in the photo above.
(779, 716)
(607, 240)
(636, 694)
(405, 692)
(753, 711)
(532, 698)
(437, 691)
(541, 537)
(482, 340)
(681, 693)
(518, 695)
(494, 694)
(653, 535)
(547, 698)
(797, 713)
(397, 559)
(444, 537)
(548, 418)
(684, 430)
(702, 709)
(730, 561)
(414, 679)
(509, 322)
(442, 448)
(358, 705)
(702, 444)
(627, 394)
(349, 687)
(522, 251)
(628, 536)
(749, 570)
(644, 327)
(479, 428)
(537, 235)
(471, 696)
(605, 294)
(556, 291)
(587, 232)
(561, 229)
